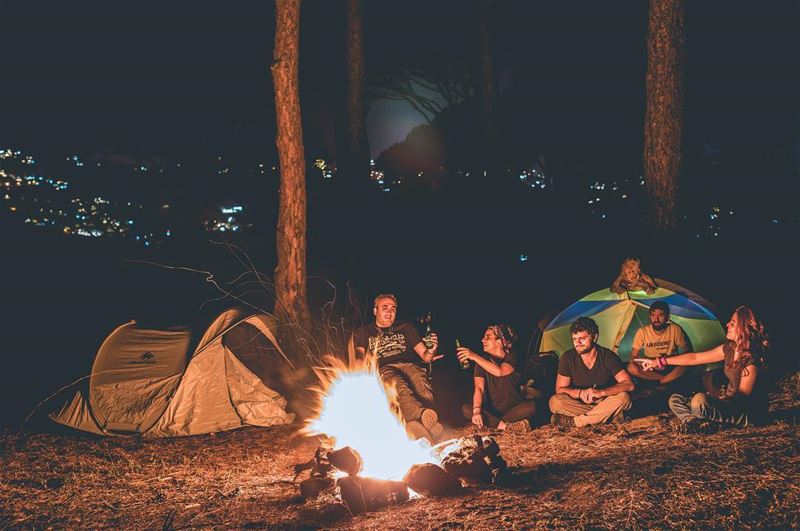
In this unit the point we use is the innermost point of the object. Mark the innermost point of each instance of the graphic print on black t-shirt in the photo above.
(387, 345)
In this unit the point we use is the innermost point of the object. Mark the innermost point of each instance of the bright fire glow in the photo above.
(356, 411)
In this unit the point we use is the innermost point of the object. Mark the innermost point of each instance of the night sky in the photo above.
(165, 77)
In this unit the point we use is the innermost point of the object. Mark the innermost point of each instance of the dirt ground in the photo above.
(635, 475)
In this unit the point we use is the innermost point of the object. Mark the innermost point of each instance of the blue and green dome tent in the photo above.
(619, 316)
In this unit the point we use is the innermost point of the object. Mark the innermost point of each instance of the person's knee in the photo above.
(556, 401)
(625, 399)
(699, 401)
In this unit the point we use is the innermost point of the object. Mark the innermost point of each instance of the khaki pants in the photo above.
(585, 414)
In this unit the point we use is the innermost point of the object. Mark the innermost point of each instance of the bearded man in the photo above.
(661, 338)
(592, 385)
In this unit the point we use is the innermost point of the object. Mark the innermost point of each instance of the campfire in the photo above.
(368, 459)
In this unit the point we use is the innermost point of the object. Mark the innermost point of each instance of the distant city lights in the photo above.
(44, 201)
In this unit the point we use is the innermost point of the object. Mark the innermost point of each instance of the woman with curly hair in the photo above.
(497, 400)
(743, 401)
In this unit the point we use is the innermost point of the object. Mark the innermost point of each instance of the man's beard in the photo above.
(585, 350)
(659, 326)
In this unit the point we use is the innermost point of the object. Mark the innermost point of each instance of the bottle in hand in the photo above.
(427, 340)
(465, 363)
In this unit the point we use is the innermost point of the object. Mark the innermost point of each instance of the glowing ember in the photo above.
(356, 411)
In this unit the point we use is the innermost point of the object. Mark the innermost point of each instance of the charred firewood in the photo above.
(347, 460)
(475, 459)
(432, 480)
(312, 487)
(367, 494)
(319, 465)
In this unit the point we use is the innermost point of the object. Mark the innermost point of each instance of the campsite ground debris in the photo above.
(629, 476)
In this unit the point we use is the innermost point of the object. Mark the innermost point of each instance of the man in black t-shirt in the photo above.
(400, 352)
(592, 385)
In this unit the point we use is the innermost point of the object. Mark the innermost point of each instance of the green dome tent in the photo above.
(619, 316)
(173, 382)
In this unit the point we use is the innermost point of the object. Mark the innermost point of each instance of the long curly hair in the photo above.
(752, 340)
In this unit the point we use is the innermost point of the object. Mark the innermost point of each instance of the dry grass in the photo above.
(637, 475)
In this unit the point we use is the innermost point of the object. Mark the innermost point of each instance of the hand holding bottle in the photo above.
(464, 355)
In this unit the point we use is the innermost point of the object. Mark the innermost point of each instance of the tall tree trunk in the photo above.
(356, 138)
(487, 83)
(663, 117)
(290, 273)
(487, 87)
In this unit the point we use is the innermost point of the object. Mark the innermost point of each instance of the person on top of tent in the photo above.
(743, 401)
(592, 385)
(497, 399)
(399, 351)
(632, 278)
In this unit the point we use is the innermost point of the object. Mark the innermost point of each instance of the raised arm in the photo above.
(504, 369)
(690, 358)
(634, 369)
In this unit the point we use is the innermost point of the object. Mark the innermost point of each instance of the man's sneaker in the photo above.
(417, 431)
(619, 418)
(563, 421)
(429, 418)
(521, 426)
(430, 421)
(697, 426)
(436, 432)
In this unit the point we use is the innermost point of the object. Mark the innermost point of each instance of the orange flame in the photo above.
(357, 410)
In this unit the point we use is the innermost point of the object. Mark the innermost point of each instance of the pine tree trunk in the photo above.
(357, 151)
(290, 273)
(487, 83)
(663, 117)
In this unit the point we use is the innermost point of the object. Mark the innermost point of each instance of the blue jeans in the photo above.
(703, 406)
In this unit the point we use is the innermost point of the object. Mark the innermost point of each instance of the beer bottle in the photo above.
(465, 363)
(427, 340)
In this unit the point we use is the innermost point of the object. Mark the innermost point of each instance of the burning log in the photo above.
(476, 459)
(432, 480)
(319, 465)
(347, 460)
(367, 494)
(313, 487)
